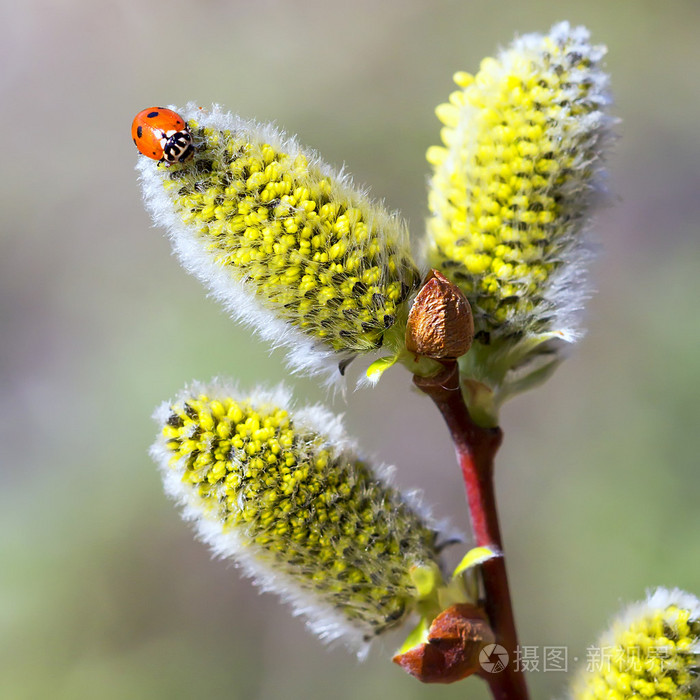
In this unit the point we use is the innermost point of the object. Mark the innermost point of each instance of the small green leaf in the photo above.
(377, 368)
(475, 557)
(418, 635)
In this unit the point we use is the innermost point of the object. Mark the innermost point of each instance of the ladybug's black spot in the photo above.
(139, 131)
(154, 152)
(152, 115)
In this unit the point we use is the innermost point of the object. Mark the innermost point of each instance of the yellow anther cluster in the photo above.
(511, 185)
(300, 506)
(652, 653)
(313, 251)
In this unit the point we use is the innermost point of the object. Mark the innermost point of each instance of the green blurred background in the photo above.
(103, 590)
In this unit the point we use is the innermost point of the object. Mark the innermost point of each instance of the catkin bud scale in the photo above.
(440, 324)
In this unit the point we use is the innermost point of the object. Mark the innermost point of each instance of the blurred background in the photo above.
(103, 590)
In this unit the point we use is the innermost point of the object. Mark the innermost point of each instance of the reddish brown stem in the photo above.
(476, 449)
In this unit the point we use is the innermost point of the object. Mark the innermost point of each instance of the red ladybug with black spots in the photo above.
(162, 135)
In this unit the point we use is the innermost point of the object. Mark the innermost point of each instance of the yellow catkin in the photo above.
(310, 249)
(300, 506)
(523, 142)
(652, 651)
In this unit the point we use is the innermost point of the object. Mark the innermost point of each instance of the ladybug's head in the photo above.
(178, 147)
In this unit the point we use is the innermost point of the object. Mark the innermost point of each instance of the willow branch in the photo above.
(476, 448)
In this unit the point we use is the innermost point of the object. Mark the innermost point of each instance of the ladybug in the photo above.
(162, 135)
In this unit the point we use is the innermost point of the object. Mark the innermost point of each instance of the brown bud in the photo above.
(440, 324)
(455, 639)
